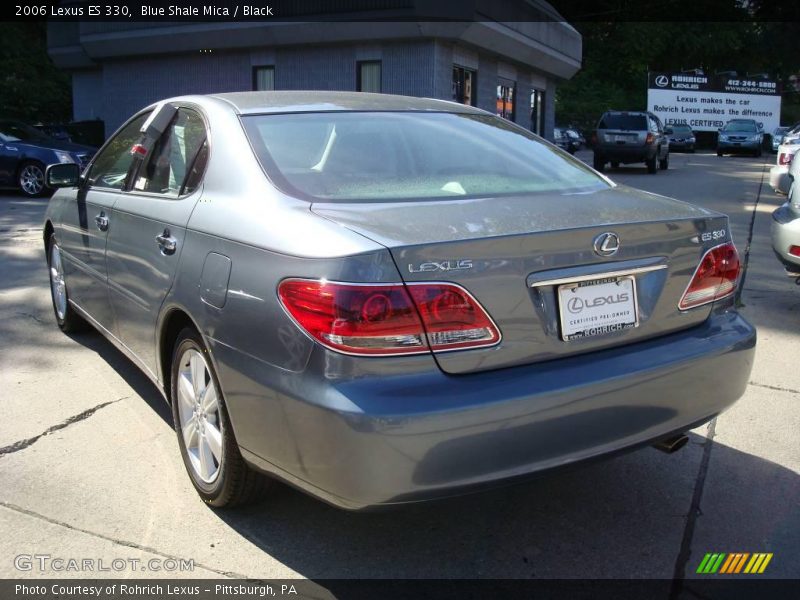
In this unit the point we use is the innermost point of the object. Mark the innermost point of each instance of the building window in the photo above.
(506, 91)
(465, 86)
(368, 76)
(537, 112)
(263, 78)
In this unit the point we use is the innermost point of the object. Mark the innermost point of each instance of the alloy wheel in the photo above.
(31, 180)
(199, 412)
(57, 284)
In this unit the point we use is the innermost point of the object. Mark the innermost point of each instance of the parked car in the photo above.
(779, 174)
(740, 135)
(777, 137)
(25, 152)
(681, 138)
(57, 132)
(576, 137)
(630, 137)
(563, 140)
(786, 224)
(792, 136)
(383, 299)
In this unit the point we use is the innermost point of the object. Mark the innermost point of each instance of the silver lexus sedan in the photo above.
(381, 299)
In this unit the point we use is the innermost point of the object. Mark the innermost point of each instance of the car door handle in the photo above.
(102, 221)
(166, 242)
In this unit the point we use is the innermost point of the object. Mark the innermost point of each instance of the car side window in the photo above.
(171, 162)
(110, 168)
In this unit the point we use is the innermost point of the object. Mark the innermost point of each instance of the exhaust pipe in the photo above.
(672, 444)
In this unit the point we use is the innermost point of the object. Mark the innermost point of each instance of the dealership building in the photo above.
(505, 56)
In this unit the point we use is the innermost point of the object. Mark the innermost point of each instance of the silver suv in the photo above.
(631, 137)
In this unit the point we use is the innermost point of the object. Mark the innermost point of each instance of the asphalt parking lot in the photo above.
(89, 465)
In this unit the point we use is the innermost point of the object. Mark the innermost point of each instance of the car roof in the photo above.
(321, 101)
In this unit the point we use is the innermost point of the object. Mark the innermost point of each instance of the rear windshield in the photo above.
(620, 121)
(682, 128)
(363, 156)
(742, 126)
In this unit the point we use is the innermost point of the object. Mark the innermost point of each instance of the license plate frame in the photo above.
(597, 318)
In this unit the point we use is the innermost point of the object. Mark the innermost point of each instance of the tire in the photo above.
(599, 163)
(67, 319)
(30, 179)
(663, 164)
(615, 164)
(652, 165)
(719, 152)
(212, 460)
(758, 152)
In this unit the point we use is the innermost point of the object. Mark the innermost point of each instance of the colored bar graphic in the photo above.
(717, 564)
(767, 558)
(702, 567)
(734, 563)
(741, 562)
(753, 559)
(728, 563)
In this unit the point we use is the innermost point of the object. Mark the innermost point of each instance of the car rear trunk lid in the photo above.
(513, 254)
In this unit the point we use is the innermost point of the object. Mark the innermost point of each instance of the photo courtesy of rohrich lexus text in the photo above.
(399, 299)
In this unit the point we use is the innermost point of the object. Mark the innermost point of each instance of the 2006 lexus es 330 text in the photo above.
(382, 299)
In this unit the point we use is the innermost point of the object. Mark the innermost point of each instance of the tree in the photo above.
(32, 88)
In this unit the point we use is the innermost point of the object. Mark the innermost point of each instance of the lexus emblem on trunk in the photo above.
(606, 244)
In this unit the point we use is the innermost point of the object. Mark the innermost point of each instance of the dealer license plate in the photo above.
(597, 307)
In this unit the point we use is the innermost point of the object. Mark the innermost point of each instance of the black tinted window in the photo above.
(620, 121)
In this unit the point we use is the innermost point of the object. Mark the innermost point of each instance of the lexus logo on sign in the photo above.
(662, 81)
(606, 244)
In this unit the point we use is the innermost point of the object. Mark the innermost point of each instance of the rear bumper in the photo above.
(625, 154)
(377, 440)
(681, 145)
(738, 146)
(786, 233)
(779, 178)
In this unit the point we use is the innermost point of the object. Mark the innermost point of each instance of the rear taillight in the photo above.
(785, 158)
(594, 138)
(715, 278)
(650, 138)
(380, 319)
(794, 251)
(453, 319)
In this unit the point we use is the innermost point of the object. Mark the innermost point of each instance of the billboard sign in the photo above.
(706, 102)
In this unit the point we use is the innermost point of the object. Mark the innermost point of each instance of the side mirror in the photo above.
(668, 131)
(62, 175)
